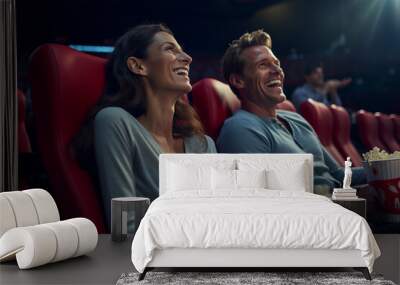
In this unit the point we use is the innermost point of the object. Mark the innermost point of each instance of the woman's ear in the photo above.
(236, 80)
(136, 66)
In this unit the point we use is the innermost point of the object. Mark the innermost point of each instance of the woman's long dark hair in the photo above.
(125, 89)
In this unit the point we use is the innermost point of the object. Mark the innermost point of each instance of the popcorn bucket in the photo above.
(384, 177)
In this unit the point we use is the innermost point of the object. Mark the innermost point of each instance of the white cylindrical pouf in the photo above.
(67, 239)
(45, 205)
(34, 246)
(23, 208)
(40, 244)
(7, 218)
(87, 234)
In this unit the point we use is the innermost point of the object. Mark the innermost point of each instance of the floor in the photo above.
(389, 262)
(104, 266)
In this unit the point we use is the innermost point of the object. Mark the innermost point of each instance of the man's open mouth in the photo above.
(274, 83)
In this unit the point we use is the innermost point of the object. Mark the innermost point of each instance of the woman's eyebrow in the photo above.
(173, 44)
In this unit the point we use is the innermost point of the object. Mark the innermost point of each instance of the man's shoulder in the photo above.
(244, 132)
(241, 119)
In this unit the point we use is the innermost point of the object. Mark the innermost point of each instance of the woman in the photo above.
(141, 115)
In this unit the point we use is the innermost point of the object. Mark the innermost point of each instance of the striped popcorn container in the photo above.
(384, 177)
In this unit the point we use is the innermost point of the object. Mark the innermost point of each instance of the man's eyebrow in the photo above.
(268, 59)
(262, 59)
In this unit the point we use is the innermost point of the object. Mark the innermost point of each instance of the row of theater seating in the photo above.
(375, 130)
(379, 130)
(332, 125)
(66, 84)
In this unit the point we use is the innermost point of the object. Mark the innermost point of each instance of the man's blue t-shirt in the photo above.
(245, 132)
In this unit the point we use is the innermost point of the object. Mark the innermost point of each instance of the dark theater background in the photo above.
(353, 38)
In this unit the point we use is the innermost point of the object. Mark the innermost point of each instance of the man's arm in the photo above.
(331, 88)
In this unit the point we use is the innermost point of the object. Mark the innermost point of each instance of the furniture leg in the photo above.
(143, 274)
(364, 271)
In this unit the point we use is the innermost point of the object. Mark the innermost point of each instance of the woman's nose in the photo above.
(185, 57)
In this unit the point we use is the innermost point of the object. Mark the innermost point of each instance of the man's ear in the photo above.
(136, 66)
(236, 80)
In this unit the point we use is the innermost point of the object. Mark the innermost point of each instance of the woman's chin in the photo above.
(185, 87)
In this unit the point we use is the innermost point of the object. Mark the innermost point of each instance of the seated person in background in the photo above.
(317, 89)
(141, 115)
(255, 75)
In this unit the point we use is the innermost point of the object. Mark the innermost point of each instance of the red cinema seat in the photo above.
(367, 125)
(286, 105)
(320, 118)
(387, 132)
(396, 123)
(24, 145)
(65, 85)
(341, 137)
(214, 101)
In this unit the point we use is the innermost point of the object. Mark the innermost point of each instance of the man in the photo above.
(255, 75)
(317, 89)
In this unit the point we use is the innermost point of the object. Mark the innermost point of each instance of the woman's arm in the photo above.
(114, 149)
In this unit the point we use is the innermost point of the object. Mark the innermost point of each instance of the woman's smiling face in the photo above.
(167, 65)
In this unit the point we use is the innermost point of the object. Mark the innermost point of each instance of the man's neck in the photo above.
(264, 111)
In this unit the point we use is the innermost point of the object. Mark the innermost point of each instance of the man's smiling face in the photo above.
(262, 76)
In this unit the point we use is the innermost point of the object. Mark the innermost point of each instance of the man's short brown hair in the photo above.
(232, 63)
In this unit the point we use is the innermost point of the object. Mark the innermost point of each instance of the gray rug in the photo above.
(243, 278)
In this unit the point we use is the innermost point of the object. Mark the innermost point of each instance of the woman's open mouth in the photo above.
(182, 71)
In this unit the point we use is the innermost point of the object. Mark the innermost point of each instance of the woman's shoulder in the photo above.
(199, 144)
(112, 116)
(111, 119)
(112, 113)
